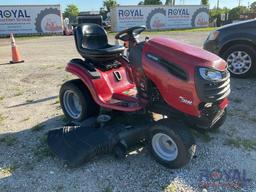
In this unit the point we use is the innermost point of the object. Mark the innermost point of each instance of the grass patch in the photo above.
(1, 98)
(253, 119)
(238, 112)
(247, 144)
(170, 188)
(18, 93)
(66, 78)
(2, 118)
(29, 100)
(42, 150)
(26, 119)
(38, 127)
(242, 114)
(8, 140)
(64, 119)
(59, 188)
(27, 37)
(108, 189)
(28, 166)
(206, 29)
(237, 100)
(57, 101)
(8, 170)
(46, 66)
(202, 134)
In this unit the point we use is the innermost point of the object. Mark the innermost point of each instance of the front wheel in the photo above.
(241, 60)
(76, 101)
(171, 144)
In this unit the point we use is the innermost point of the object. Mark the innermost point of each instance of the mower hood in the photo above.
(184, 54)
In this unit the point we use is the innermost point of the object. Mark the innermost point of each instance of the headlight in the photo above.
(213, 35)
(210, 74)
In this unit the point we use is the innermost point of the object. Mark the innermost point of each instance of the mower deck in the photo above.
(78, 144)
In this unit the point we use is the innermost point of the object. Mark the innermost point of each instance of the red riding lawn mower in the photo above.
(187, 85)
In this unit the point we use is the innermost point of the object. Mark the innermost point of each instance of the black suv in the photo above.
(236, 43)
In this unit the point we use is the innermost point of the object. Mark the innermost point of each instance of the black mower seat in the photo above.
(92, 43)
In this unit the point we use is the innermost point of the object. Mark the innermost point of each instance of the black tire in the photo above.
(247, 49)
(88, 106)
(182, 137)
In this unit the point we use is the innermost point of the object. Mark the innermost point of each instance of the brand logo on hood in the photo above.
(186, 101)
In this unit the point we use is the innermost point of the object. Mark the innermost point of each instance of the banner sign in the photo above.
(160, 17)
(30, 19)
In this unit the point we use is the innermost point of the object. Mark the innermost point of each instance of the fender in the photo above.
(229, 39)
(88, 82)
(84, 76)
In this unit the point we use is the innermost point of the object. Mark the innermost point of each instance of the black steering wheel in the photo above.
(130, 33)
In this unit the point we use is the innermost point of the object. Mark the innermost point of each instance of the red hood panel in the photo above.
(185, 54)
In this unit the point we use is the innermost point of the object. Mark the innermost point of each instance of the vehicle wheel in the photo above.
(241, 60)
(76, 101)
(171, 144)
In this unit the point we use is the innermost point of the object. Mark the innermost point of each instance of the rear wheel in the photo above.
(76, 101)
(172, 145)
(241, 60)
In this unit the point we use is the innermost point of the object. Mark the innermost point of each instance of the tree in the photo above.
(152, 2)
(237, 11)
(103, 13)
(170, 2)
(205, 2)
(109, 3)
(71, 12)
(215, 14)
(253, 7)
(141, 3)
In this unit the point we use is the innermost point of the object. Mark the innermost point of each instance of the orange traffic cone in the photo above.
(15, 51)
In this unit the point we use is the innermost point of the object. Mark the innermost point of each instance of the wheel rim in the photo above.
(239, 62)
(72, 104)
(164, 147)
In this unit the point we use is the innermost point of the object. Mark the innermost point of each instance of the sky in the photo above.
(89, 5)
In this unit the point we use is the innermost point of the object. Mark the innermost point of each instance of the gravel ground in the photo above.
(29, 108)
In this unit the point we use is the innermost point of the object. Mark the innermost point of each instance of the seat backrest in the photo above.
(90, 36)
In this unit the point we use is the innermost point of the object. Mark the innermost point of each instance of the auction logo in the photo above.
(230, 178)
(48, 20)
(130, 13)
(200, 18)
(178, 12)
(14, 13)
(156, 19)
